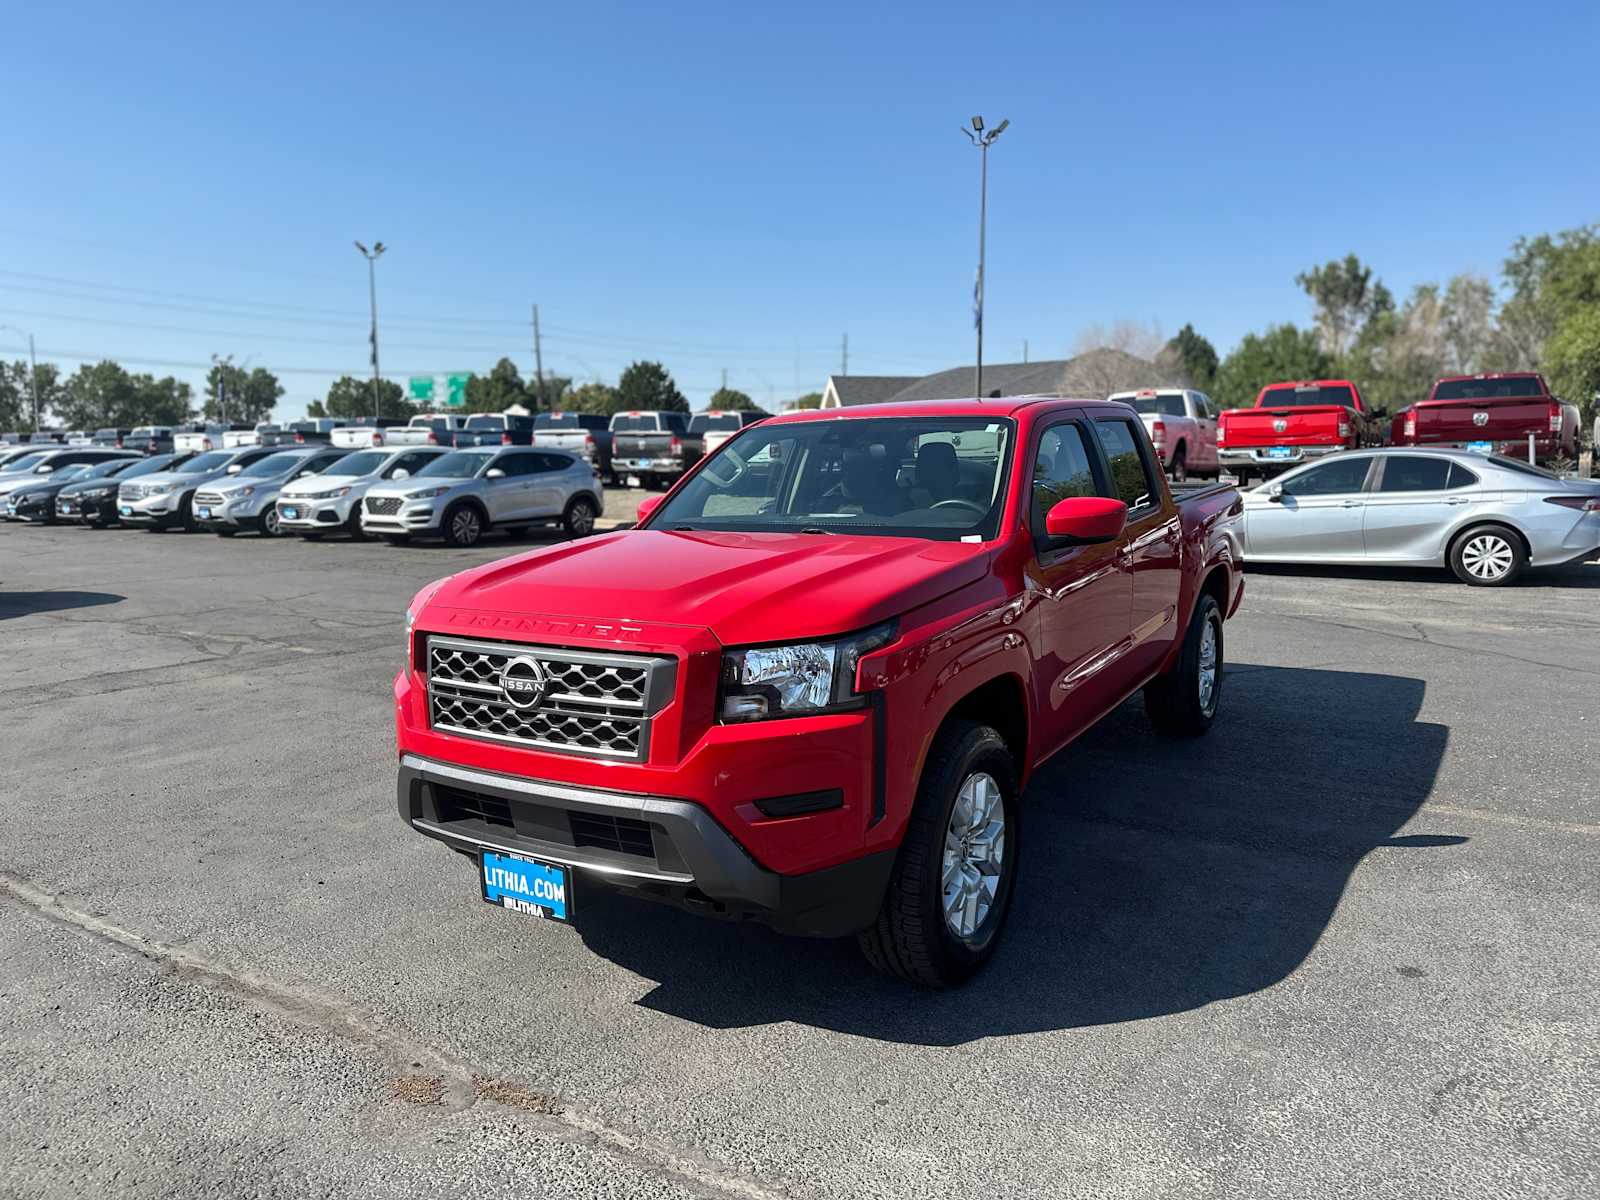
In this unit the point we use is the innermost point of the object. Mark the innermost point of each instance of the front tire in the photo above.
(578, 520)
(269, 524)
(463, 526)
(950, 890)
(1488, 556)
(1183, 702)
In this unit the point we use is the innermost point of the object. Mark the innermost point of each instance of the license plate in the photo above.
(292, 513)
(526, 885)
(633, 481)
(1481, 447)
(203, 513)
(126, 510)
(1280, 452)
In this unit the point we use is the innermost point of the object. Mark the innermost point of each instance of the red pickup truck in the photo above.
(1292, 423)
(809, 687)
(1493, 414)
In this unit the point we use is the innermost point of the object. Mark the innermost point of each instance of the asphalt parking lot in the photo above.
(1346, 945)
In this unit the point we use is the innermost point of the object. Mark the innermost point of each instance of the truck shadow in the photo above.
(22, 604)
(1158, 876)
(1569, 575)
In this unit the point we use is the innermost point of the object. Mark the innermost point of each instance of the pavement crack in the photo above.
(424, 1075)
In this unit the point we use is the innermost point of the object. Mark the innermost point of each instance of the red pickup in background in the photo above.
(1493, 414)
(1293, 422)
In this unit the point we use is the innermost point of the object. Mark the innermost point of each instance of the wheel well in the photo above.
(1216, 586)
(469, 502)
(1001, 704)
(589, 496)
(1182, 445)
(1455, 540)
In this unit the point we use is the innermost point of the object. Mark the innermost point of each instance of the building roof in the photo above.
(1006, 379)
(847, 391)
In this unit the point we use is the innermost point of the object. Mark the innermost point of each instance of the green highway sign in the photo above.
(456, 396)
(422, 388)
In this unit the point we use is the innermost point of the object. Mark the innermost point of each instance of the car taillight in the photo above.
(1555, 418)
(677, 444)
(588, 441)
(300, 439)
(505, 438)
(1586, 504)
(1344, 429)
(1158, 431)
(377, 439)
(1411, 425)
(119, 444)
(433, 438)
(1222, 434)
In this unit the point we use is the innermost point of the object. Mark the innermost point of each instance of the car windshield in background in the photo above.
(1522, 468)
(1487, 389)
(1160, 406)
(69, 474)
(706, 421)
(145, 432)
(486, 422)
(363, 462)
(149, 466)
(634, 425)
(460, 464)
(1303, 397)
(272, 464)
(923, 477)
(102, 469)
(214, 461)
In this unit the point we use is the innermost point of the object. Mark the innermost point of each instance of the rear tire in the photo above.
(1183, 702)
(352, 525)
(463, 526)
(1180, 466)
(1487, 556)
(186, 513)
(966, 805)
(578, 520)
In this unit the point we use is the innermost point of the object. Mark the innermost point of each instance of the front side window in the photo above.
(1061, 470)
(940, 478)
(1337, 478)
(1132, 480)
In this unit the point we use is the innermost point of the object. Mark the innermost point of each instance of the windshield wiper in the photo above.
(816, 529)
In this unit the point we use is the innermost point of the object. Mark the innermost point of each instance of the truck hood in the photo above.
(745, 587)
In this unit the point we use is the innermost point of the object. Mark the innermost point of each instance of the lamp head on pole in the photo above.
(361, 248)
(977, 124)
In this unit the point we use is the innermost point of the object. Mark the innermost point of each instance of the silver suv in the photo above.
(331, 502)
(462, 495)
(249, 500)
(166, 498)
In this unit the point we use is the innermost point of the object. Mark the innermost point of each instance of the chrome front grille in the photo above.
(590, 703)
(208, 498)
(383, 506)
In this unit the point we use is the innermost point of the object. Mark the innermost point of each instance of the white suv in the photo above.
(331, 502)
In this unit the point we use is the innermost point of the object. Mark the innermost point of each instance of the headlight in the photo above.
(247, 490)
(429, 494)
(157, 489)
(799, 680)
(417, 603)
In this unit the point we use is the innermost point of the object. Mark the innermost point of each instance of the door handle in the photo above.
(1351, 504)
(1453, 500)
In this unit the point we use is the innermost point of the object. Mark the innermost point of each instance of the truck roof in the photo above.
(1299, 383)
(997, 406)
(1490, 375)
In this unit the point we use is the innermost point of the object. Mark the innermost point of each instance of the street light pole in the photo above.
(372, 257)
(982, 141)
(222, 364)
(33, 370)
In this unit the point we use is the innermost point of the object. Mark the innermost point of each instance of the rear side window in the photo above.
(1460, 476)
(518, 464)
(1060, 471)
(1335, 478)
(1132, 480)
(553, 462)
(1403, 473)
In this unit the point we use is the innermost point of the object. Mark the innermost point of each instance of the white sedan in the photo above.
(1483, 516)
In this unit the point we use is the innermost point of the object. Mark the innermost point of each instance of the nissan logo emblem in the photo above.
(522, 682)
(1279, 425)
(1480, 419)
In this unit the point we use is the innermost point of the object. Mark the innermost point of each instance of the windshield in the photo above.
(1522, 468)
(1159, 406)
(925, 477)
(213, 461)
(272, 464)
(486, 422)
(1289, 397)
(707, 421)
(362, 462)
(460, 464)
(23, 462)
(1488, 389)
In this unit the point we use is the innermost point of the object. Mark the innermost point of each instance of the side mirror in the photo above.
(234, 468)
(1275, 492)
(494, 473)
(400, 473)
(44, 469)
(1086, 520)
(649, 505)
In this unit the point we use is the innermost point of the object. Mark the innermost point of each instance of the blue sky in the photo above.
(736, 186)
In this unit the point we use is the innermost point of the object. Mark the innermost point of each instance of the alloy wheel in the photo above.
(1487, 556)
(465, 527)
(974, 852)
(1208, 667)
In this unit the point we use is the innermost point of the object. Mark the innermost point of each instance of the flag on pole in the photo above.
(977, 299)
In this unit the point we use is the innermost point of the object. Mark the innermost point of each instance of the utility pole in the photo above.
(372, 257)
(33, 376)
(538, 361)
(724, 378)
(221, 365)
(844, 357)
(983, 141)
(1024, 349)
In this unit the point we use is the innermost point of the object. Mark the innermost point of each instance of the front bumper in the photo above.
(89, 509)
(311, 516)
(692, 861)
(651, 466)
(238, 513)
(150, 510)
(414, 516)
(1262, 456)
(27, 508)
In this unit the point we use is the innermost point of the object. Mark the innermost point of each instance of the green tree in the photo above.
(1194, 356)
(1347, 297)
(557, 389)
(1572, 361)
(1549, 277)
(1283, 352)
(498, 390)
(105, 394)
(809, 400)
(731, 399)
(17, 392)
(592, 398)
(647, 385)
(247, 397)
(349, 397)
